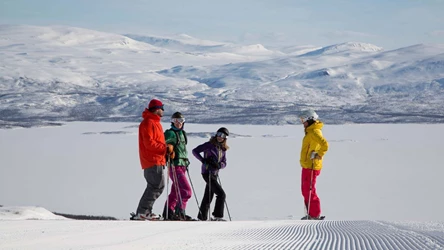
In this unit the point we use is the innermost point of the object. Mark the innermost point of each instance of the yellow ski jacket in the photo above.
(313, 141)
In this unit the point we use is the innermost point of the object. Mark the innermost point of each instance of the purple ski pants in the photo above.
(183, 186)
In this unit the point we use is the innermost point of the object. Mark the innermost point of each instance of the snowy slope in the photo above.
(286, 234)
(373, 189)
(64, 73)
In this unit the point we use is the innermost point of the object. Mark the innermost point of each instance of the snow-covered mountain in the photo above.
(57, 73)
(189, 44)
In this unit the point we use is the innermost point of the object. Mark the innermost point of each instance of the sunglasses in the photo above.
(179, 120)
(221, 135)
(158, 107)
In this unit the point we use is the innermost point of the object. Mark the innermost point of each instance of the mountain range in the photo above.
(52, 74)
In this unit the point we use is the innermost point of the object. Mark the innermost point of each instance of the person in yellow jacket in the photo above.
(314, 147)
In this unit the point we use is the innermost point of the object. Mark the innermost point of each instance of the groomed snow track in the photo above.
(237, 235)
(338, 235)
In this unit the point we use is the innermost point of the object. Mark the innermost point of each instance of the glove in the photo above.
(313, 155)
(170, 151)
(211, 163)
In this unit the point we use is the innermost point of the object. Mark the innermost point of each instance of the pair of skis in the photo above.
(133, 217)
(308, 217)
(160, 218)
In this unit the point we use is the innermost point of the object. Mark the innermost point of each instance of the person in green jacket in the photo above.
(180, 188)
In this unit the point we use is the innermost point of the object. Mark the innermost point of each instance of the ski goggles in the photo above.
(179, 120)
(221, 135)
(304, 119)
(157, 107)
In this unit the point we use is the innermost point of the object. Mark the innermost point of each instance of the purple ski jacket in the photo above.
(210, 150)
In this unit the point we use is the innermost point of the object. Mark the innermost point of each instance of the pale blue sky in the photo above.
(386, 23)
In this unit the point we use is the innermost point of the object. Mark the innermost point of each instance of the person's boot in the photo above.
(308, 217)
(171, 214)
(218, 219)
(203, 213)
(184, 216)
(148, 216)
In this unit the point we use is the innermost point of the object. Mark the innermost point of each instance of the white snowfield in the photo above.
(46, 233)
(380, 188)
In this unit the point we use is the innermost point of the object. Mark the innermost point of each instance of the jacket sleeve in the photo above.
(223, 161)
(199, 149)
(149, 140)
(170, 137)
(317, 135)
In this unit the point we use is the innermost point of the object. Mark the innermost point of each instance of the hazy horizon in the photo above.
(389, 25)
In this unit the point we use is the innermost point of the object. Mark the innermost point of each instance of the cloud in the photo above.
(346, 34)
(437, 33)
(267, 38)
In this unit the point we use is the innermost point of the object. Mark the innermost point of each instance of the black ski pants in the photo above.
(212, 187)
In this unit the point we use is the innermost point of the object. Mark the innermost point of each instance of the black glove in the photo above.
(211, 163)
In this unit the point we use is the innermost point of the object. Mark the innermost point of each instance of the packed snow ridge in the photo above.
(59, 73)
(284, 234)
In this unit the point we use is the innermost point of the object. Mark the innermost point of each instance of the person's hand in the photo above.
(169, 148)
(315, 155)
(214, 164)
(206, 161)
(211, 163)
(170, 151)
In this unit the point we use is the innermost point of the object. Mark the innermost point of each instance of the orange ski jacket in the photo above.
(152, 146)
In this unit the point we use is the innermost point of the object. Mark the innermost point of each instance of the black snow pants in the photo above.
(212, 187)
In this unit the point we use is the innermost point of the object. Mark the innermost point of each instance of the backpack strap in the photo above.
(178, 137)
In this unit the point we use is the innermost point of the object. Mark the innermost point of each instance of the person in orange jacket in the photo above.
(314, 147)
(152, 151)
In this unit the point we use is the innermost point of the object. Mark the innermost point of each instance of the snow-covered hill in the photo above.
(64, 73)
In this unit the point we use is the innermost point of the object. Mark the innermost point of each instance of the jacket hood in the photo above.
(146, 114)
(316, 125)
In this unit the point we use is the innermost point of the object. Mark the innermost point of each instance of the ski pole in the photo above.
(194, 192)
(209, 195)
(311, 184)
(226, 204)
(168, 184)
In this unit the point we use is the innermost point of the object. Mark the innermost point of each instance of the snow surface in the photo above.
(380, 189)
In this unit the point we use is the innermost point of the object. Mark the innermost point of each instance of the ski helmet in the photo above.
(177, 115)
(308, 115)
(223, 130)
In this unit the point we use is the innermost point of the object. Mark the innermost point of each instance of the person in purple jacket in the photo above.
(212, 161)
